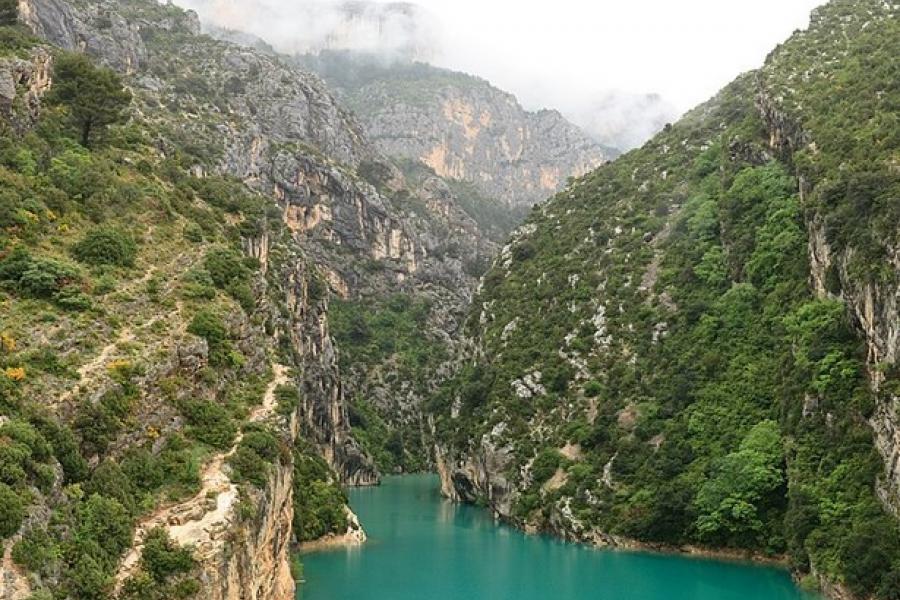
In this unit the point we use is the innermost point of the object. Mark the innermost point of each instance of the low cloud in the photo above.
(621, 119)
(396, 29)
(664, 56)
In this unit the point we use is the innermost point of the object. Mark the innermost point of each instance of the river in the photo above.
(422, 547)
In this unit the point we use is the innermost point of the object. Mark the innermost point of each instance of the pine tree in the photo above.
(94, 96)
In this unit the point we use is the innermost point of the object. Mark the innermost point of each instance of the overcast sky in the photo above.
(685, 50)
(563, 54)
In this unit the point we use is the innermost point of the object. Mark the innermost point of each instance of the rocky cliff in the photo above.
(696, 344)
(461, 127)
(176, 394)
(243, 163)
(252, 117)
(23, 80)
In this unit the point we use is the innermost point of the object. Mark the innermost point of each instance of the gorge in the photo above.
(235, 283)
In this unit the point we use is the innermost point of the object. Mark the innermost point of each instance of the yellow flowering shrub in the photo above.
(15, 373)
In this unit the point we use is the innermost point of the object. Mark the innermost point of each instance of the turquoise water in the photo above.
(422, 547)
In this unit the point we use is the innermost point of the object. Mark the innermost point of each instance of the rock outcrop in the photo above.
(23, 81)
(461, 127)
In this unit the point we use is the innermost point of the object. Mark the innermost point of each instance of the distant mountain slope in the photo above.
(697, 344)
(460, 126)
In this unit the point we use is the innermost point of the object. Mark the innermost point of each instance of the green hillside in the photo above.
(658, 365)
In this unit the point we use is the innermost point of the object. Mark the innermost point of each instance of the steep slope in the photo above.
(247, 198)
(696, 344)
(460, 126)
(253, 117)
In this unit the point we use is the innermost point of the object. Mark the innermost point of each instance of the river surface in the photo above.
(422, 547)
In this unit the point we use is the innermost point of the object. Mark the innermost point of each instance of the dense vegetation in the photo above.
(655, 321)
(319, 501)
(9, 12)
(96, 230)
(386, 339)
(164, 571)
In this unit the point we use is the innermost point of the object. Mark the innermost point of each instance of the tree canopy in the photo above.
(93, 96)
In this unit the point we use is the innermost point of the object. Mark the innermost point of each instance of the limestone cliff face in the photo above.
(478, 134)
(244, 557)
(876, 312)
(244, 543)
(323, 410)
(22, 83)
(482, 136)
(874, 302)
(462, 127)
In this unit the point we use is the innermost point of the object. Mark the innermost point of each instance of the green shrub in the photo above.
(65, 448)
(197, 284)
(545, 465)
(103, 531)
(193, 233)
(111, 481)
(225, 266)
(248, 466)
(592, 389)
(255, 455)
(209, 423)
(26, 434)
(87, 579)
(210, 327)
(890, 586)
(288, 398)
(106, 246)
(9, 12)
(12, 511)
(36, 550)
(36, 277)
(318, 501)
(96, 426)
(163, 559)
(243, 294)
(230, 272)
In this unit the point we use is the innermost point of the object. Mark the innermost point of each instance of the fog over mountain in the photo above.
(599, 63)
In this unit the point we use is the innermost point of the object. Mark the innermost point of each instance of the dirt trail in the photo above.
(88, 372)
(14, 583)
(203, 519)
